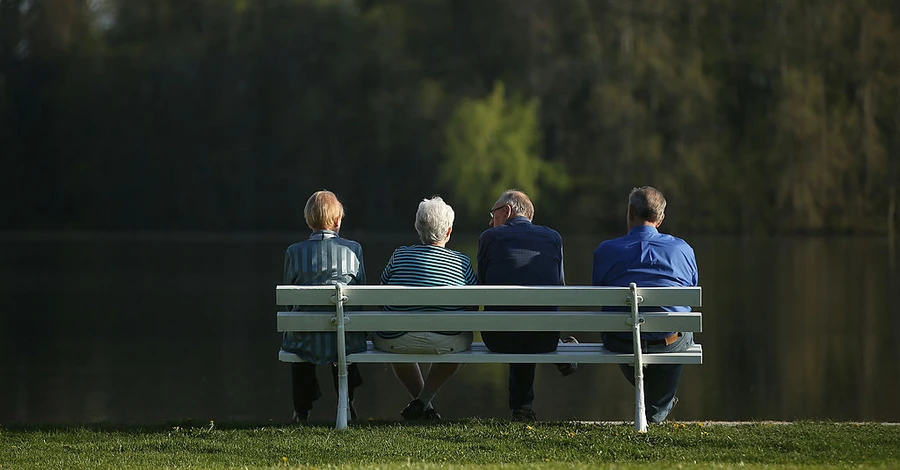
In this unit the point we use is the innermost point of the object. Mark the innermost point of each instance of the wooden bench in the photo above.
(580, 312)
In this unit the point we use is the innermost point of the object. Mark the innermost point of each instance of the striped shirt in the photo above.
(426, 266)
(325, 258)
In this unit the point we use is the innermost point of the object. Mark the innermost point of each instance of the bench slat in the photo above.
(585, 353)
(576, 296)
(489, 321)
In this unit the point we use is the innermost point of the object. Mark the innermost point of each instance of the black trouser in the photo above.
(305, 385)
(521, 376)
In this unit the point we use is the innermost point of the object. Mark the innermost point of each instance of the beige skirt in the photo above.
(425, 342)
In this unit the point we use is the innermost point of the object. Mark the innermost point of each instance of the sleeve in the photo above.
(361, 273)
(692, 261)
(562, 269)
(288, 267)
(599, 267)
(471, 279)
(386, 274)
(481, 258)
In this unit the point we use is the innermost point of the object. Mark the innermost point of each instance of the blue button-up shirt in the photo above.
(649, 259)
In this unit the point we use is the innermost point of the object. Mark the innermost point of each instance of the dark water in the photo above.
(148, 329)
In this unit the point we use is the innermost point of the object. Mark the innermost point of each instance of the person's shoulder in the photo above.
(611, 244)
(458, 254)
(295, 246)
(676, 241)
(349, 244)
(489, 232)
(406, 250)
(488, 235)
(547, 230)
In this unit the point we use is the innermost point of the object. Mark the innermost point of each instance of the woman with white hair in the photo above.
(428, 264)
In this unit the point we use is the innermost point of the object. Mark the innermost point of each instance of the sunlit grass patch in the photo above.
(468, 443)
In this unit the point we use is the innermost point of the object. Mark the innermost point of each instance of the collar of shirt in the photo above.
(643, 230)
(518, 220)
(323, 234)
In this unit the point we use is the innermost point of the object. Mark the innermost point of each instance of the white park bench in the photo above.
(579, 312)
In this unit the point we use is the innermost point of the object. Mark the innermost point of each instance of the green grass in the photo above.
(487, 444)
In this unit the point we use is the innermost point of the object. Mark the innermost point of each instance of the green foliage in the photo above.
(492, 145)
(464, 444)
(754, 117)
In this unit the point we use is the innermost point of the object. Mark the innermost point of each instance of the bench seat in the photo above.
(583, 353)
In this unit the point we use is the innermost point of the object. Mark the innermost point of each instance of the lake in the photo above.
(149, 328)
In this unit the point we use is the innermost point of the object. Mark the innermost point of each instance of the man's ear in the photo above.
(660, 221)
(449, 230)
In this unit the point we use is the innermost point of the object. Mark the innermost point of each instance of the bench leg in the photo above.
(640, 409)
(343, 389)
(343, 394)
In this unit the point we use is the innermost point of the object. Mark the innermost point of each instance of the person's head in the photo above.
(646, 206)
(512, 203)
(434, 221)
(323, 211)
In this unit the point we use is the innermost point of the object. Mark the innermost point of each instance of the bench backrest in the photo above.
(580, 308)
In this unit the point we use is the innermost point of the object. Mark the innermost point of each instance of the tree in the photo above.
(492, 145)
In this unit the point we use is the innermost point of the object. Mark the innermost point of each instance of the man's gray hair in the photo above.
(433, 218)
(519, 203)
(646, 203)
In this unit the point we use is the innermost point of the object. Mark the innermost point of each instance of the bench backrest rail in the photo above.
(561, 296)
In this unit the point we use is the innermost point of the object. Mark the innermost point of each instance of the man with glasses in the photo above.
(516, 252)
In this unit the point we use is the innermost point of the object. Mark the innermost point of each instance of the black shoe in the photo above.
(300, 417)
(432, 414)
(414, 411)
(567, 369)
(524, 415)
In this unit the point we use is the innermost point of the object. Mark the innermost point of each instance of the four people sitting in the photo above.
(513, 251)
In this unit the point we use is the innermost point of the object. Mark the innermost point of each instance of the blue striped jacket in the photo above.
(325, 258)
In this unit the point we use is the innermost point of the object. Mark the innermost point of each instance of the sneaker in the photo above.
(524, 415)
(567, 369)
(432, 414)
(650, 419)
(300, 417)
(414, 411)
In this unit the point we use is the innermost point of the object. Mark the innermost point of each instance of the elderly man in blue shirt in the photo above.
(649, 259)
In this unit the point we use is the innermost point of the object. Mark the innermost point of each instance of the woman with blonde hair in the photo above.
(324, 258)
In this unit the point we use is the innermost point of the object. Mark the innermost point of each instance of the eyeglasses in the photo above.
(497, 209)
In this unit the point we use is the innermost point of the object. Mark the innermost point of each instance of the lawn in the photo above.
(485, 444)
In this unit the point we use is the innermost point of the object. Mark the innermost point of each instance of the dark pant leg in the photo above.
(304, 386)
(660, 380)
(521, 386)
(521, 376)
(660, 386)
(354, 379)
(521, 342)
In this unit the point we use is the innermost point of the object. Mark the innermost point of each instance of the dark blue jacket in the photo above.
(520, 253)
